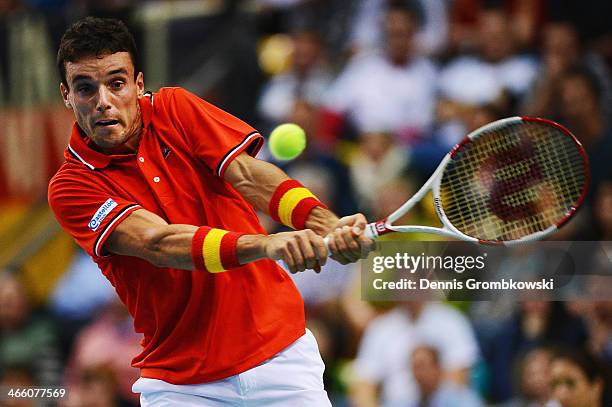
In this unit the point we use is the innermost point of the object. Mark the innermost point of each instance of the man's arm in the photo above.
(145, 235)
(257, 180)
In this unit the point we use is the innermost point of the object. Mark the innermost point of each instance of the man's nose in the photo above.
(103, 99)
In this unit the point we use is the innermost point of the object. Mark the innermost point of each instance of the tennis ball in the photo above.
(287, 141)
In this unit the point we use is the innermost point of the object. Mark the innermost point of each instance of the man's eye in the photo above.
(83, 88)
(117, 84)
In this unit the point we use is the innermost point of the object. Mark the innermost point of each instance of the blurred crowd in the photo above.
(383, 89)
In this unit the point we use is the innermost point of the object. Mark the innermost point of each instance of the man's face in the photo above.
(571, 388)
(495, 36)
(426, 370)
(399, 28)
(104, 96)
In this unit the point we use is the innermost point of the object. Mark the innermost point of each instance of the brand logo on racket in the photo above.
(438, 205)
(524, 172)
(381, 227)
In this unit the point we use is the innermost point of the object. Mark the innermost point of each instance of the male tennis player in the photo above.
(159, 189)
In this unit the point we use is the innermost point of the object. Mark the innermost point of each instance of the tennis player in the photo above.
(160, 190)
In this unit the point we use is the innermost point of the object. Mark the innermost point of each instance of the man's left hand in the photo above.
(348, 242)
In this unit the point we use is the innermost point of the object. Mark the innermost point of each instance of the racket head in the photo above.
(513, 180)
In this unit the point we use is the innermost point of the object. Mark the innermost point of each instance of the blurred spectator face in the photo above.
(390, 197)
(306, 51)
(495, 35)
(98, 387)
(577, 98)
(482, 115)
(400, 27)
(426, 369)
(376, 145)
(603, 309)
(571, 387)
(579, 104)
(306, 116)
(603, 208)
(560, 47)
(536, 307)
(14, 305)
(535, 377)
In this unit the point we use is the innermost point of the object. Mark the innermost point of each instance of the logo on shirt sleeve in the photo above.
(101, 213)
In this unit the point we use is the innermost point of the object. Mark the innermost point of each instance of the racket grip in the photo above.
(368, 232)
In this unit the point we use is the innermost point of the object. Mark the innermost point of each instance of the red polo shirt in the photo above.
(197, 327)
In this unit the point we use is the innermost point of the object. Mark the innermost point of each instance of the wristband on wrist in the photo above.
(214, 250)
(291, 204)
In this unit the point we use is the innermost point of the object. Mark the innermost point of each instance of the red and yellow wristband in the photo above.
(214, 250)
(291, 204)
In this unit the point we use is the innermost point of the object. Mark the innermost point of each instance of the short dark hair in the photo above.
(589, 365)
(92, 36)
(409, 7)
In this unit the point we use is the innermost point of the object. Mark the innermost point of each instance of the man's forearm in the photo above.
(321, 221)
(250, 248)
(175, 250)
(255, 180)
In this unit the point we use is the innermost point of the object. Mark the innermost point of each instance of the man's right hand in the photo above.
(300, 250)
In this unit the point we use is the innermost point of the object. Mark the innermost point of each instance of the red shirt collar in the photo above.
(80, 145)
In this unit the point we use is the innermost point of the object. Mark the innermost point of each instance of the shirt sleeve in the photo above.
(215, 136)
(87, 212)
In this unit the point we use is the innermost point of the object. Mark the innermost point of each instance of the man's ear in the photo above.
(140, 84)
(64, 92)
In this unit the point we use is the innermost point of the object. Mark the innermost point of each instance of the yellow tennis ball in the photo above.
(287, 141)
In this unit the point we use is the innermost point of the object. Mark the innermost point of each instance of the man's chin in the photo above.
(108, 140)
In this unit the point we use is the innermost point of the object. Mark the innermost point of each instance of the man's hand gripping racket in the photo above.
(513, 180)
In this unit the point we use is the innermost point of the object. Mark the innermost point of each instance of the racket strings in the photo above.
(512, 182)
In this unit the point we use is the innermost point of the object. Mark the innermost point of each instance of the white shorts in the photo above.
(293, 377)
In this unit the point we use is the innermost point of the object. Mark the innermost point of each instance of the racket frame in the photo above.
(375, 229)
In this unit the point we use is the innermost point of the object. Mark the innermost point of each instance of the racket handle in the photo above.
(368, 232)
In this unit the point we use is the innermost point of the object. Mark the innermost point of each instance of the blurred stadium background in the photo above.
(382, 89)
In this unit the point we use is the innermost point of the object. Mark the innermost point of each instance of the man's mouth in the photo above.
(107, 122)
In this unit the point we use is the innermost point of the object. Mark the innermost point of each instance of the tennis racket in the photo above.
(513, 180)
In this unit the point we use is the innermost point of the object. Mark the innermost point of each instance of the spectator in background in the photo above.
(582, 113)
(78, 295)
(390, 91)
(602, 210)
(379, 159)
(434, 390)
(534, 324)
(561, 51)
(534, 381)
(524, 17)
(95, 387)
(27, 341)
(496, 74)
(598, 316)
(577, 380)
(384, 354)
(113, 329)
(430, 38)
(305, 82)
